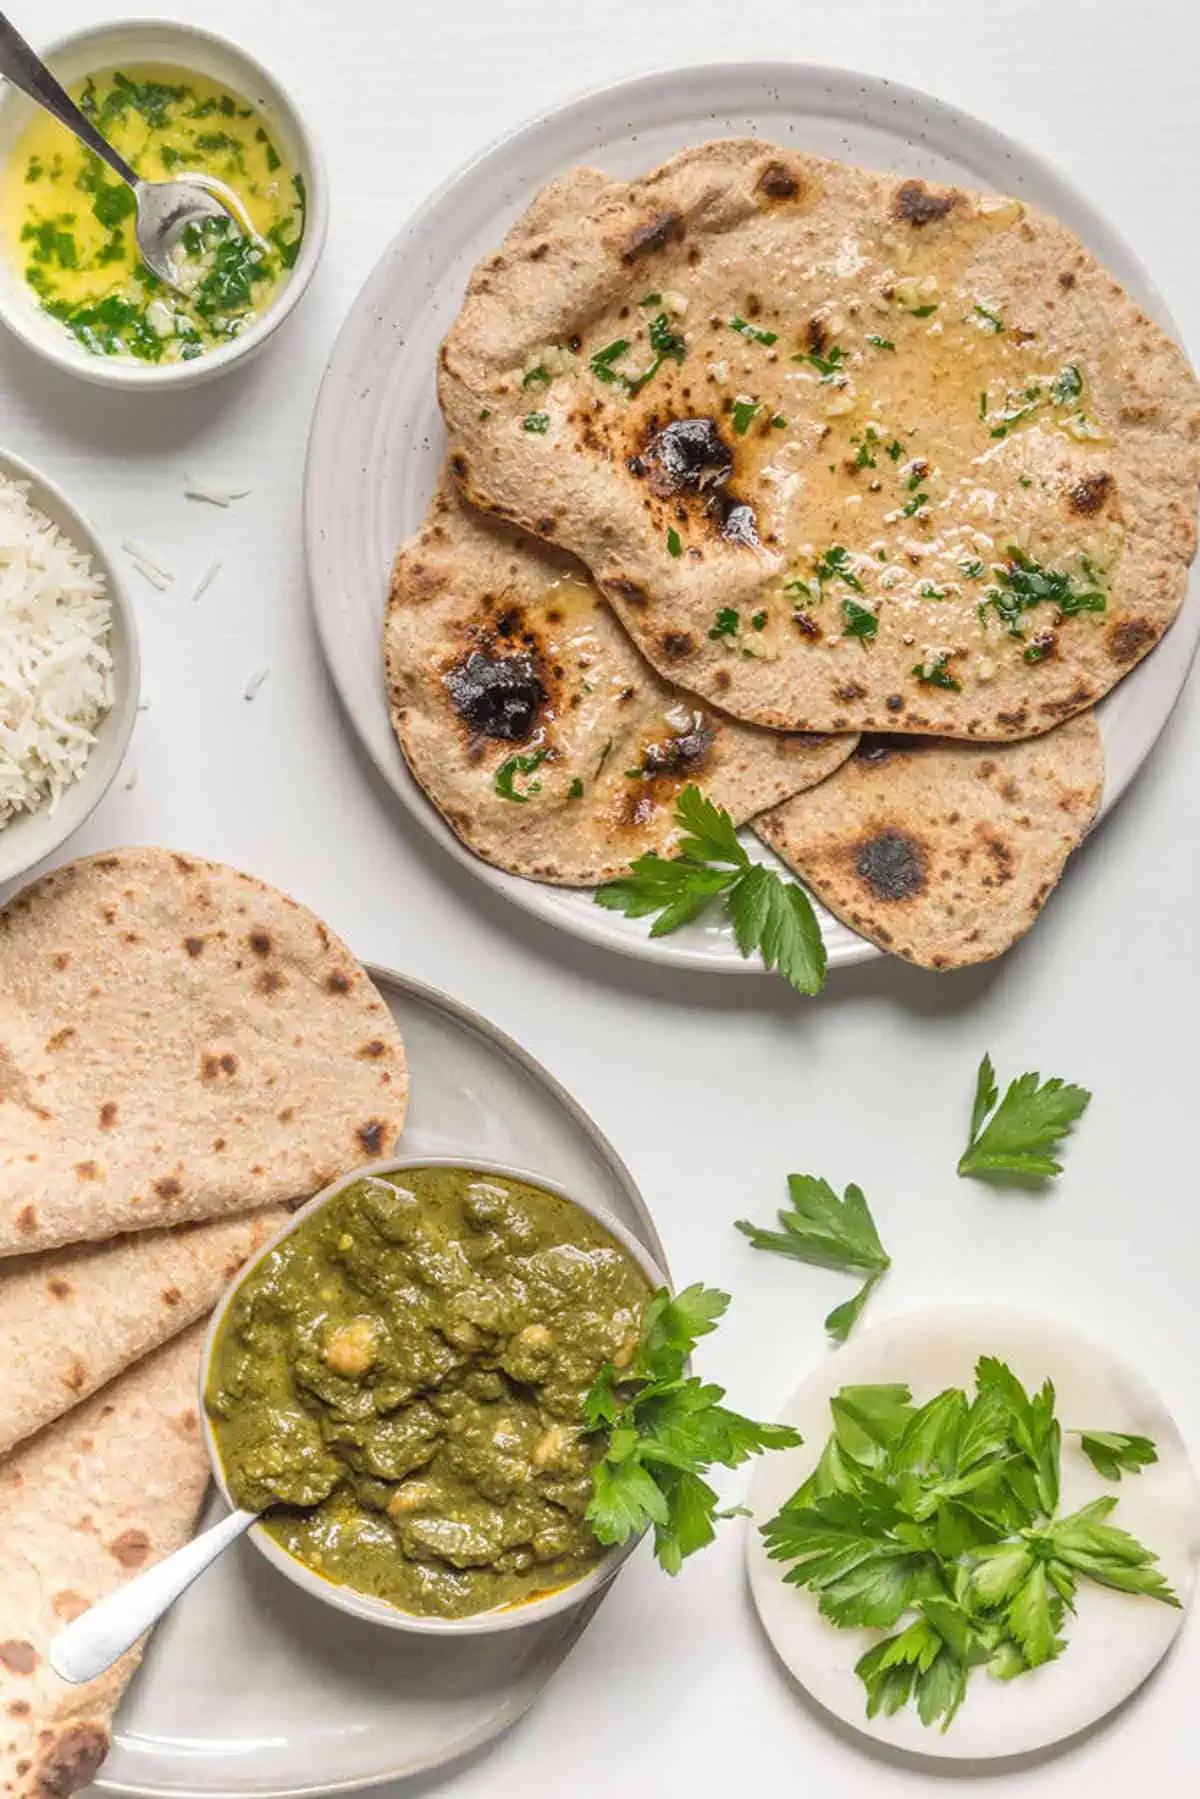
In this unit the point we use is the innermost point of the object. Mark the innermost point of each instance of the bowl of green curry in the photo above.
(396, 1383)
(174, 100)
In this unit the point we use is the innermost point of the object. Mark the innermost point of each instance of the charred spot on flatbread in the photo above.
(653, 234)
(779, 180)
(497, 696)
(915, 204)
(688, 456)
(891, 864)
(131, 1548)
(1089, 494)
(18, 1656)
(1130, 638)
(72, 1760)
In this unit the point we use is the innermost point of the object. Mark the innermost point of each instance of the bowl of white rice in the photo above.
(69, 668)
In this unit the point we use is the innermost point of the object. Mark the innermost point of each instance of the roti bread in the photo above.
(922, 431)
(551, 748)
(179, 1041)
(90, 1501)
(72, 1319)
(943, 853)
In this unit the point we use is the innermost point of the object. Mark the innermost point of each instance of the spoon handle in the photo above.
(26, 70)
(98, 1637)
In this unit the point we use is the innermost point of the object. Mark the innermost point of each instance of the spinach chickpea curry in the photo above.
(402, 1381)
(68, 225)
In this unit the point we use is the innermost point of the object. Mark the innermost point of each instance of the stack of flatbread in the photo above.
(184, 1054)
(841, 495)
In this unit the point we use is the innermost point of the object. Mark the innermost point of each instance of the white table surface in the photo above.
(711, 1087)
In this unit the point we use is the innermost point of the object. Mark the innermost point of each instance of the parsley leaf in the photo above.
(1066, 386)
(880, 343)
(991, 321)
(601, 364)
(1023, 583)
(834, 565)
(744, 414)
(1104, 1553)
(725, 623)
(828, 1232)
(831, 363)
(538, 422)
(674, 542)
(538, 377)
(665, 1431)
(511, 767)
(860, 622)
(935, 674)
(1112, 1453)
(768, 914)
(1032, 1119)
(895, 449)
(754, 332)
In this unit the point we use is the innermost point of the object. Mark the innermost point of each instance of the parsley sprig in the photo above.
(827, 1232)
(666, 1430)
(942, 1518)
(1016, 1135)
(769, 914)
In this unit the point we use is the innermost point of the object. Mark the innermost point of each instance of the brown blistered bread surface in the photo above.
(944, 853)
(89, 1502)
(550, 746)
(179, 1041)
(838, 390)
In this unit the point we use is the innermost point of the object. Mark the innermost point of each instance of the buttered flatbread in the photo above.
(548, 744)
(179, 1041)
(921, 435)
(944, 853)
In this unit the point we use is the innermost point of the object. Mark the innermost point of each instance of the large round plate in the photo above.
(1114, 1640)
(252, 1687)
(377, 439)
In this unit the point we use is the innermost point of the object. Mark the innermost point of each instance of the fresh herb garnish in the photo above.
(880, 343)
(665, 1431)
(929, 590)
(513, 766)
(1112, 1453)
(827, 365)
(768, 914)
(538, 377)
(754, 332)
(575, 790)
(759, 621)
(779, 422)
(835, 565)
(972, 568)
(828, 1232)
(859, 621)
(537, 422)
(1014, 1136)
(991, 320)
(1023, 583)
(1066, 386)
(668, 346)
(915, 502)
(924, 312)
(934, 674)
(941, 1518)
(654, 299)
(725, 623)
(895, 449)
(674, 542)
(744, 414)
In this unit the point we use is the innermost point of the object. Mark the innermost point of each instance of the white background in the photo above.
(711, 1087)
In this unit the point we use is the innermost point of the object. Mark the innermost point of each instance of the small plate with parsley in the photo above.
(988, 1540)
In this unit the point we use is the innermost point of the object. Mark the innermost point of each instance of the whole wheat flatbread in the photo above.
(72, 1319)
(944, 853)
(887, 395)
(497, 648)
(179, 1041)
(96, 1497)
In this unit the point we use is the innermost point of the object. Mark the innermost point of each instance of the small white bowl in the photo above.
(129, 41)
(30, 837)
(364, 1605)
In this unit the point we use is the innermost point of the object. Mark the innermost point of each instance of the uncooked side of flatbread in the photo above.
(90, 1501)
(944, 853)
(549, 745)
(179, 1041)
(72, 1319)
(881, 413)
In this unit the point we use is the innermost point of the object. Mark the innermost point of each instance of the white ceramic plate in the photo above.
(377, 439)
(1114, 1642)
(254, 1688)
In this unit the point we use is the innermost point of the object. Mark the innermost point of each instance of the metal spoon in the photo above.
(164, 208)
(101, 1635)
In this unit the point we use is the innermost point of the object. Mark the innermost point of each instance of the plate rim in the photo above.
(1103, 238)
(384, 976)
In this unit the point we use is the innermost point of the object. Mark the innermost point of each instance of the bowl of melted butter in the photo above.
(174, 101)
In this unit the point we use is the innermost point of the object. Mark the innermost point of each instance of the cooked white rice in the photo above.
(56, 669)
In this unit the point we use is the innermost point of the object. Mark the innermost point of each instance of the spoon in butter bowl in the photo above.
(164, 208)
(91, 1643)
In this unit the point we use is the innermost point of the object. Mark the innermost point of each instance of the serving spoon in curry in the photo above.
(164, 208)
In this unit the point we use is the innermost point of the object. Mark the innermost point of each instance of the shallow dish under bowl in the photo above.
(30, 837)
(170, 42)
(365, 1605)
